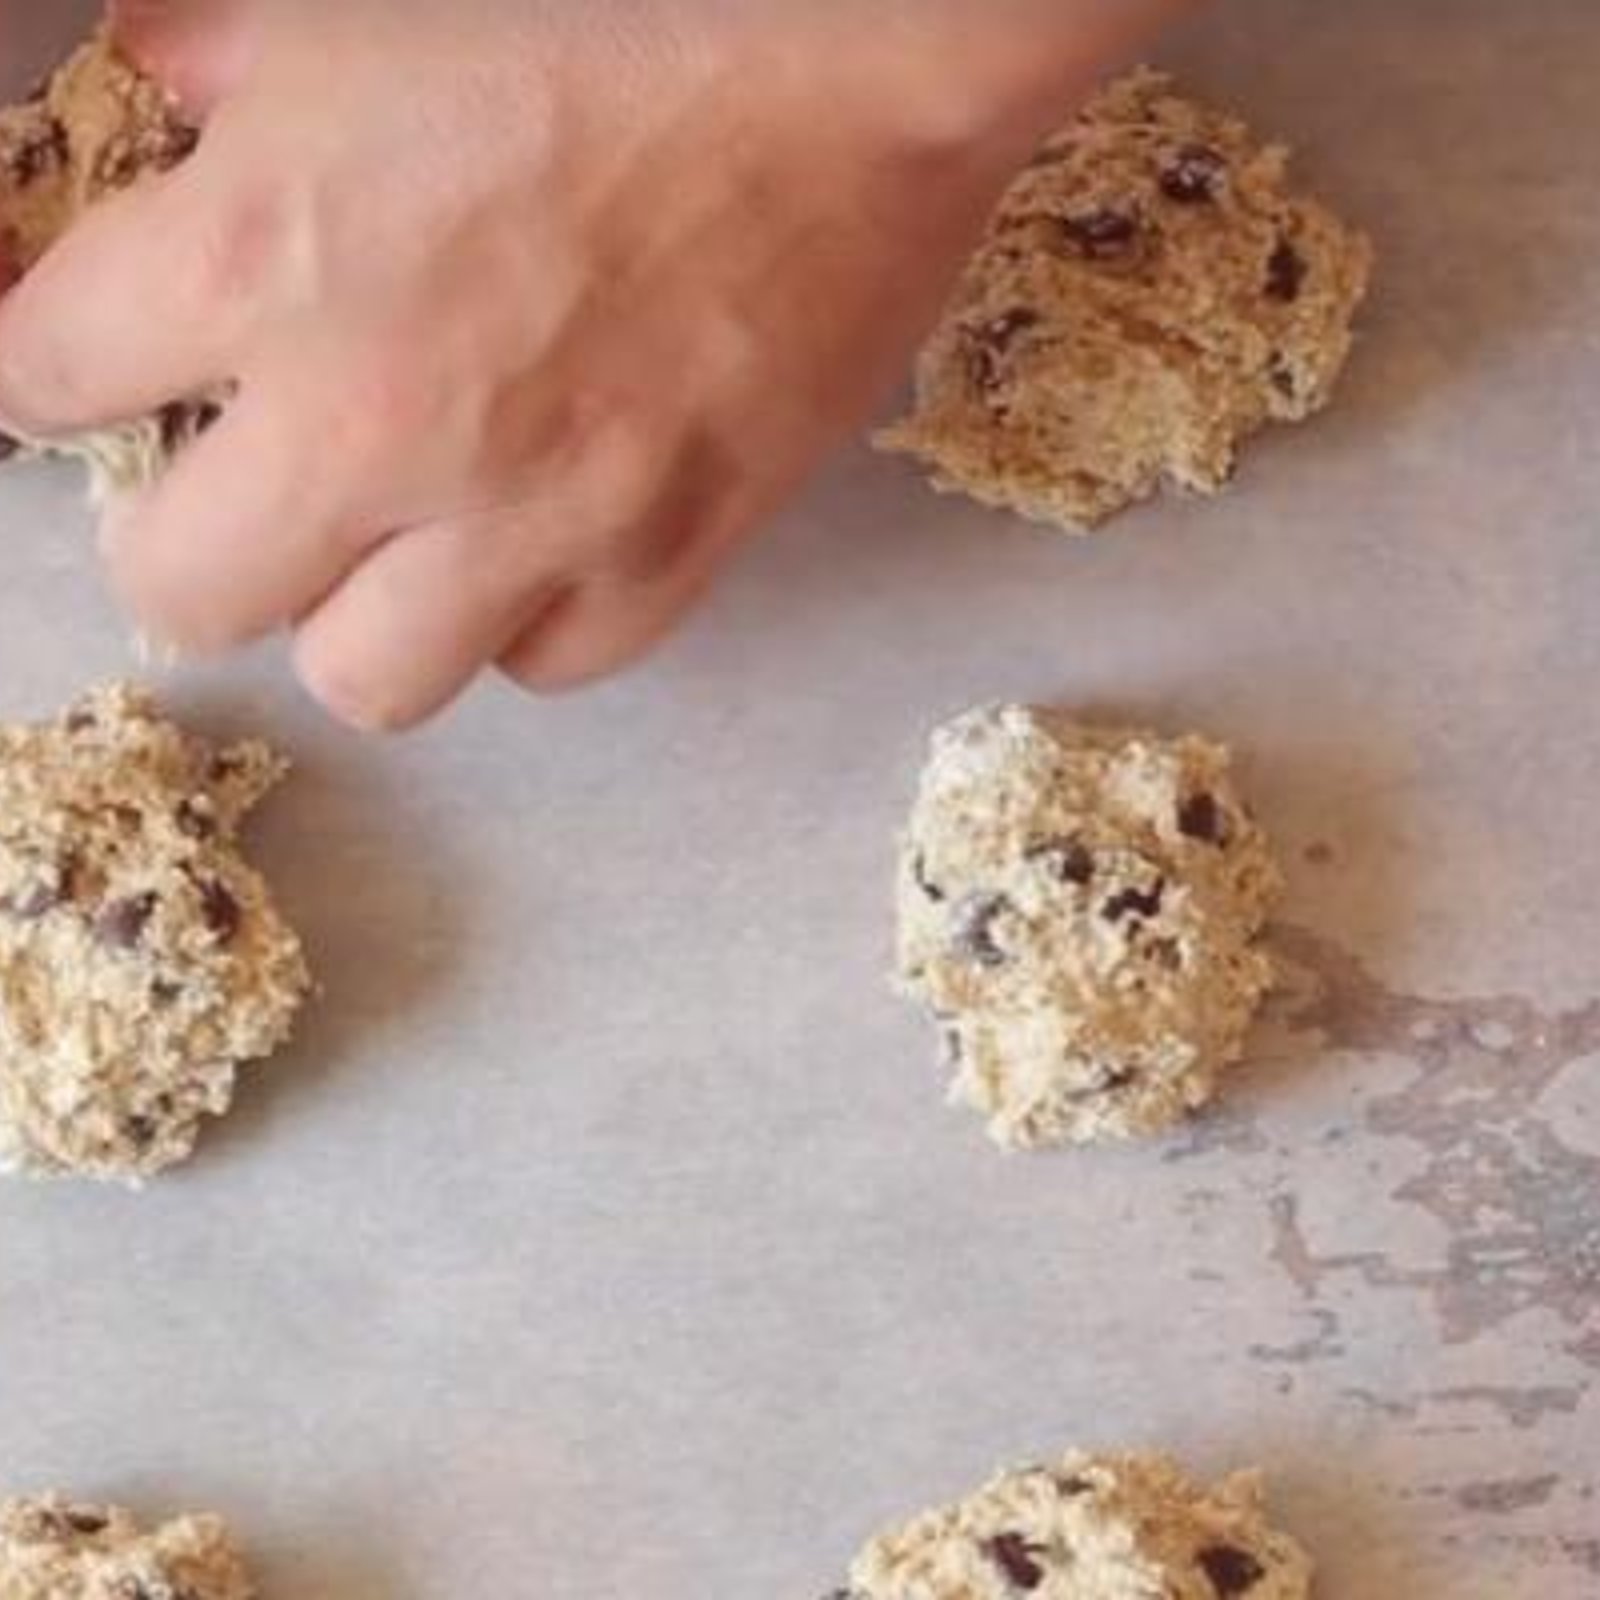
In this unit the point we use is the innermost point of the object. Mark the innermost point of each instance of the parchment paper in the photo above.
(604, 1234)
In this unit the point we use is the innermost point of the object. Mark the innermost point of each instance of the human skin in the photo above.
(535, 310)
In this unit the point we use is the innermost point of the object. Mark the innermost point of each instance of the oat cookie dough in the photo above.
(52, 1548)
(94, 127)
(1089, 1527)
(1151, 291)
(1080, 908)
(141, 959)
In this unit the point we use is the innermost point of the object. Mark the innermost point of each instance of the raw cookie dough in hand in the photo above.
(141, 960)
(1149, 294)
(1089, 1527)
(1081, 910)
(96, 126)
(56, 1549)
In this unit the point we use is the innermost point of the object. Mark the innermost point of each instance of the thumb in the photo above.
(200, 50)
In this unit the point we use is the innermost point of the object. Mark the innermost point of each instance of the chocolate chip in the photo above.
(1134, 902)
(1109, 1081)
(1232, 1571)
(1072, 1486)
(142, 1130)
(972, 935)
(1286, 272)
(987, 344)
(122, 922)
(78, 720)
(39, 152)
(1102, 234)
(919, 872)
(1200, 817)
(193, 816)
(1166, 953)
(182, 141)
(1015, 1557)
(223, 765)
(62, 1522)
(163, 991)
(1066, 860)
(129, 818)
(174, 420)
(1194, 175)
(219, 911)
(1281, 376)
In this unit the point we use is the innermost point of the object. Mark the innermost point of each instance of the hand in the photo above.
(534, 310)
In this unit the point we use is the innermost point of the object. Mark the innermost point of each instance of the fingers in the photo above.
(415, 623)
(133, 307)
(251, 526)
(609, 622)
(200, 50)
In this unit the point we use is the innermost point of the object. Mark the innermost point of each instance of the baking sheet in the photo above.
(603, 1234)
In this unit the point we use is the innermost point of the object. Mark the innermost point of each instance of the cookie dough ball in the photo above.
(141, 960)
(96, 126)
(1091, 1527)
(1149, 294)
(1080, 908)
(56, 1549)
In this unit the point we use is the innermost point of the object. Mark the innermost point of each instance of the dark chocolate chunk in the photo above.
(1109, 1082)
(1071, 1487)
(1102, 234)
(163, 991)
(1232, 1571)
(183, 139)
(1281, 376)
(1067, 860)
(1194, 175)
(41, 151)
(62, 1522)
(1134, 902)
(987, 344)
(141, 1129)
(1016, 1558)
(1200, 817)
(972, 932)
(919, 871)
(1286, 272)
(219, 910)
(122, 922)
(193, 816)
(223, 765)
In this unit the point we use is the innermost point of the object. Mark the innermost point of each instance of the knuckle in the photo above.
(240, 250)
